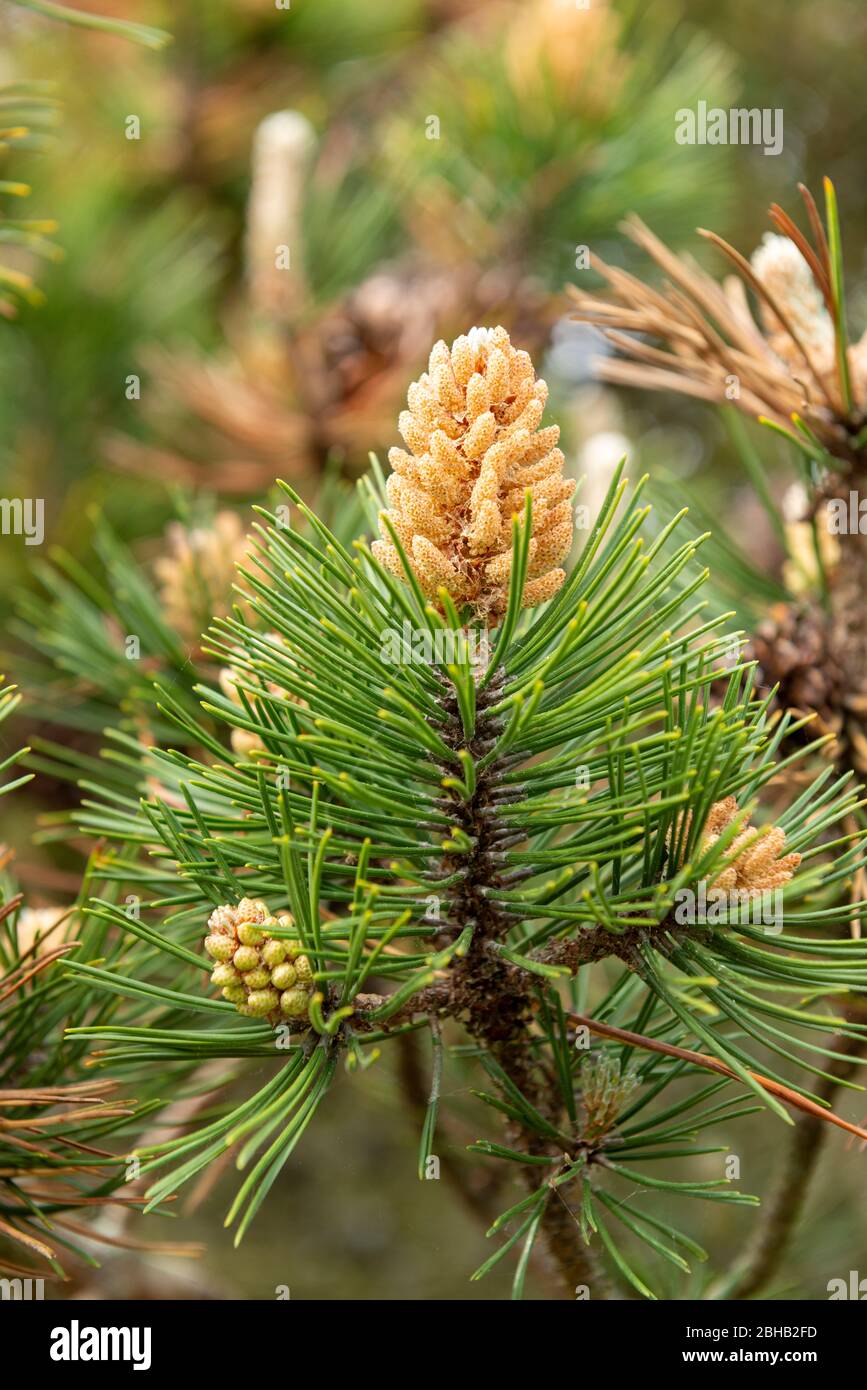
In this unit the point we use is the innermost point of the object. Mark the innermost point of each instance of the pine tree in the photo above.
(514, 805)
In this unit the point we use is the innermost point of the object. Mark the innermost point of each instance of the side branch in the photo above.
(775, 1088)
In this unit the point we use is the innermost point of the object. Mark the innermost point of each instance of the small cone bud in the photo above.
(246, 958)
(262, 1001)
(220, 947)
(225, 975)
(273, 953)
(283, 976)
(294, 1002)
(304, 970)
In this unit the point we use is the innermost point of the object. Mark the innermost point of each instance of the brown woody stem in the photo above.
(494, 997)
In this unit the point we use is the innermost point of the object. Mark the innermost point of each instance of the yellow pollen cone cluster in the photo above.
(474, 447)
(760, 862)
(262, 975)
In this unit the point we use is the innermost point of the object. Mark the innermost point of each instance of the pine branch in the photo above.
(815, 1112)
(796, 373)
(139, 33)
(412, 833)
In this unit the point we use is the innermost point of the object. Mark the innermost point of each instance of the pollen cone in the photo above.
(474, 447)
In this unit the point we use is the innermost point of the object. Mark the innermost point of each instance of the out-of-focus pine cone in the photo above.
(792, 649)
(273, 407)
(781, 268)
(39, 929)
(197, 573)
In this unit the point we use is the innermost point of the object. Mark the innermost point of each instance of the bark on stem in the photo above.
(493, 996)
